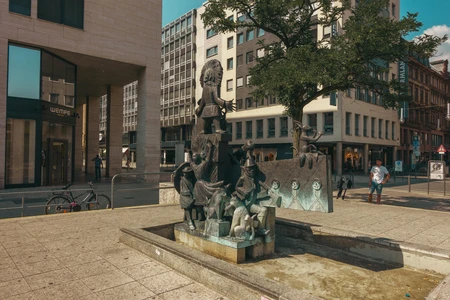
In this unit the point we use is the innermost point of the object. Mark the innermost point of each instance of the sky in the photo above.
(432, 13)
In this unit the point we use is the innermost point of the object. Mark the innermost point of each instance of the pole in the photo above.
(428, 188)
(445, 187)
(409, 183)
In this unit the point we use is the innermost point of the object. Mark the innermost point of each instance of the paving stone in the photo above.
(107, 280)
(13, 287)
(72, 289)
(165, 282)
(144, 270)
(192, 292)
(92, 268)
(129, 291)
(10, 273)
(39, 267)
(51, 278)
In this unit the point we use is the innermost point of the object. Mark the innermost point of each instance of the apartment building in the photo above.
(178, 82)
(356, 127)
(58, 60)
(425, 117)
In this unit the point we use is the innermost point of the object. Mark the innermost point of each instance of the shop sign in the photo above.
(436, 169)
(60, 111)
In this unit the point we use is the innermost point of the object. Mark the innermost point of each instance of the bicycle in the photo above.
(63, 202)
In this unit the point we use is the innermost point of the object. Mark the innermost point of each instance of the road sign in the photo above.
(436, 169)
(441, 149)
(398, 166)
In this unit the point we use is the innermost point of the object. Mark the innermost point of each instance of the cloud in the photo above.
(443, 51)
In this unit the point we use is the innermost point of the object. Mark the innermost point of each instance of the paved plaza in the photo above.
(78, 255)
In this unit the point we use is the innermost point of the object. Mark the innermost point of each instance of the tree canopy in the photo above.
(298, 68)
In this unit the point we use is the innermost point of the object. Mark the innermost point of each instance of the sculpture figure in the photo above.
(248, 187)
(186, 189)
(242, 225)
(211, 108)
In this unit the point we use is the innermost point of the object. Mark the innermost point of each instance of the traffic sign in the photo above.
(441, 149)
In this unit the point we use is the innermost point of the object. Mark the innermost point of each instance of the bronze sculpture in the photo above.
(211, 108)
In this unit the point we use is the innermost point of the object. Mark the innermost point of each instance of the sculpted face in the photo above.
(275, 184)
(295, 185)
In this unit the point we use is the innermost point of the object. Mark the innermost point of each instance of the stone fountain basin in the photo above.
(299, 268)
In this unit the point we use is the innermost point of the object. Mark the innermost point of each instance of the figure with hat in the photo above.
(248, 187)
(184, 182)
(379, 175)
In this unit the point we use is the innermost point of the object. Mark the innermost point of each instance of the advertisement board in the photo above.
(436, 169)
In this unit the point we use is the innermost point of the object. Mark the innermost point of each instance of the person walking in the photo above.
(98, 164)
(379, 175)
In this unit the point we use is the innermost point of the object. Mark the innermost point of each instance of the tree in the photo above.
(298, 68)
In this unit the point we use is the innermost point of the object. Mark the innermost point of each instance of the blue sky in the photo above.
(432, 13)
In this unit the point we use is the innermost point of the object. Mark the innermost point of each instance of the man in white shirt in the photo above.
(378, 176)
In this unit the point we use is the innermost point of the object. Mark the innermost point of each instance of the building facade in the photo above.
(425, 117)
(356, 127)
(178, 83)
(56, 62)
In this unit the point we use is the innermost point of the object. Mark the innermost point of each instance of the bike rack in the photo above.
(138, 174)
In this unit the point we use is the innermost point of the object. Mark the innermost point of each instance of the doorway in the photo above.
(57, 162)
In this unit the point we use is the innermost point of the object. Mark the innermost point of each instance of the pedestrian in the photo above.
(98, 164)
(128, 163)
(379, 175)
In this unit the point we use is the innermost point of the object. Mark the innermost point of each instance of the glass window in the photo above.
(357, 124)
(238, 130)
(260, 52)
(189, 21)
(328, 123)
(230, 42)
(177, 27)
(24, 66)
(20, 151)
(241, 17)
(20, 6)
(248, 102)
(365, 132)
(250, 35)
(239, 104)
(380, 128)
(260, 32)
(68, 12)
(211, 51)
(210, 33)
(249, 57)
(240, 38)
(271, 127)
(283, 126)
(239, 82)
(58, 78)
(372, 127)
(386, 130)
(229, 63)
(348, 117)
(248, 129)
(259, 129)
(393, 131)
(312, 120)
(240, 60)
(230, 85)
(248, 82)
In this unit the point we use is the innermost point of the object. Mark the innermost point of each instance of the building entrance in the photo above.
(57, 162)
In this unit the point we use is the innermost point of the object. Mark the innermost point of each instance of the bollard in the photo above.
(23, 204)
(445, 185)
(409, 183)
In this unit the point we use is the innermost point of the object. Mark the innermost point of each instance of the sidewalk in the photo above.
(78, 256)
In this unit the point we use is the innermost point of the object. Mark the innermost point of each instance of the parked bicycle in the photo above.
(65, 202)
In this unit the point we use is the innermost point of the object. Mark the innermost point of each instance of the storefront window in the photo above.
(20, 6)
(23, 72)
(58, 80)
(20, 151)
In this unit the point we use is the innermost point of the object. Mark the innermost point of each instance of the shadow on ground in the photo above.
(421, 201)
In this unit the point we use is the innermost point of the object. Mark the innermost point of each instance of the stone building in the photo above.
(56, 62)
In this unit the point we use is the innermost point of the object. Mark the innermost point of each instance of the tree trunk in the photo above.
(297, 132)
